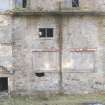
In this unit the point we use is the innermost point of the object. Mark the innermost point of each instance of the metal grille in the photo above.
(71, 3)
(75, 3)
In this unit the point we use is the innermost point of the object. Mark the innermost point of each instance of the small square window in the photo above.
(45, 32)
(75, 3)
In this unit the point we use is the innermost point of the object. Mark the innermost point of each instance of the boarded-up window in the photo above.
(45, 60)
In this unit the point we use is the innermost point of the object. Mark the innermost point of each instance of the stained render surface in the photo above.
(83, 71)
(23, 53)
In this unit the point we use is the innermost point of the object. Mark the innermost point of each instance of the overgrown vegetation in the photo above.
(53, 100)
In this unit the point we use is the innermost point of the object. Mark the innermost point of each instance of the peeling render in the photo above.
(82, 54)
(71, 62)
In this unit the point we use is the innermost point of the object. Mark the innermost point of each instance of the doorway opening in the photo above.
(3, 84)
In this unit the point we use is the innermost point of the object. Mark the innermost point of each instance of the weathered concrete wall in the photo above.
(47, 5)
(6, 59)
(20, 52)
(83, 49)
(83, 70)
(5, 41)
(40, 6)
(5, 29)
(27, 50)
(82, 54)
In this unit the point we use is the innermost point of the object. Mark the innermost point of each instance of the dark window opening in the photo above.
(49, 32)
(45, 32)
(3, 84)
(24, 3)
(42, 32)
(40, 74)
(75, 3)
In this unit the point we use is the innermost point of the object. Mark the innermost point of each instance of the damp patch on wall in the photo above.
(45, 60)
(79, 61)
(83, 61)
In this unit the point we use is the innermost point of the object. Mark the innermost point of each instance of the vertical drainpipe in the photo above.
(13, 44)
(60, 17)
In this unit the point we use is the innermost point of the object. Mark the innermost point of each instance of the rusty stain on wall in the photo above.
(71, 61)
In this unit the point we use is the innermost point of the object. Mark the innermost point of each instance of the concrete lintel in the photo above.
(31, 13)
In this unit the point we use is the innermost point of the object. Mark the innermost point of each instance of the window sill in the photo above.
(46, 38)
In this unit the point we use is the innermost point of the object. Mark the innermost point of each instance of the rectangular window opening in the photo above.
(42, 32)
(24, 3)
(3, 84)
(49, 32)
(40, 74)
(75, 3)
(45, 32)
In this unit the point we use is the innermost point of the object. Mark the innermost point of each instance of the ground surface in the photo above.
(53, 100)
